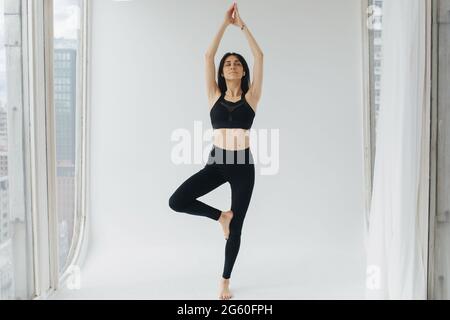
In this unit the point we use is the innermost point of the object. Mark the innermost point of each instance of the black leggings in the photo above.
(233, 166)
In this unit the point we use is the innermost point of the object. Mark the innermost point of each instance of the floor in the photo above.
(187, 272)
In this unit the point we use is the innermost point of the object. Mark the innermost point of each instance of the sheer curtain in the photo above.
(396, 240)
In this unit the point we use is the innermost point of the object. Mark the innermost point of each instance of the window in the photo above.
(15, 235)
(372, 45)
(68, 106)
(439, 246)
(42, 185)
(375, 61)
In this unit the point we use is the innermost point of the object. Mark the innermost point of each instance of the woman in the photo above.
(232, 110)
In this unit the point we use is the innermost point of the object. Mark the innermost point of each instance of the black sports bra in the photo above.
(227, 114)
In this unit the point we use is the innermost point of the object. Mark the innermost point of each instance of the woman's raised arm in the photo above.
(256, 86)
(211, 85)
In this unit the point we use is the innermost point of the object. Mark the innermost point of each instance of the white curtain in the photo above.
(396, 240)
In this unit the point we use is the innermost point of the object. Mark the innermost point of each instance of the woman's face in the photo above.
(232, 68)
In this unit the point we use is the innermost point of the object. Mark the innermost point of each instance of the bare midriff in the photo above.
(231, 138)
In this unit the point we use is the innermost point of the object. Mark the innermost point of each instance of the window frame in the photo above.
(41, 150)
(431, 287)
(75, 251)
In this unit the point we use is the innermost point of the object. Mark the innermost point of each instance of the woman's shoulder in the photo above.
(214, 98)
(251, 101)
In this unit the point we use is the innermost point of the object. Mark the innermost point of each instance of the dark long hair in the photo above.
(245, 81)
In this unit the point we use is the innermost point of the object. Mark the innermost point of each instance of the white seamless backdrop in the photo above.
(303, 233)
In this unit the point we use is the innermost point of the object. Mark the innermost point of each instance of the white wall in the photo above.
(147, 80)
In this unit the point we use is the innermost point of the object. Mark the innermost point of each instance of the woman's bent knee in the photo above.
(175, 204)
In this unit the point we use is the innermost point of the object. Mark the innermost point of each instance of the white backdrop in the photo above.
(303, 233)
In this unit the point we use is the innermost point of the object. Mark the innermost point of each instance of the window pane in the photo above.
(67, 107)
(15, 234)
(375, 51)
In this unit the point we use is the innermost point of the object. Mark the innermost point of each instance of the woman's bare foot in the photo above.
(225, 219)
(225, 293)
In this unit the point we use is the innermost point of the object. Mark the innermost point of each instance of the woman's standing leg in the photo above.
(184, 199)
(242, 180)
